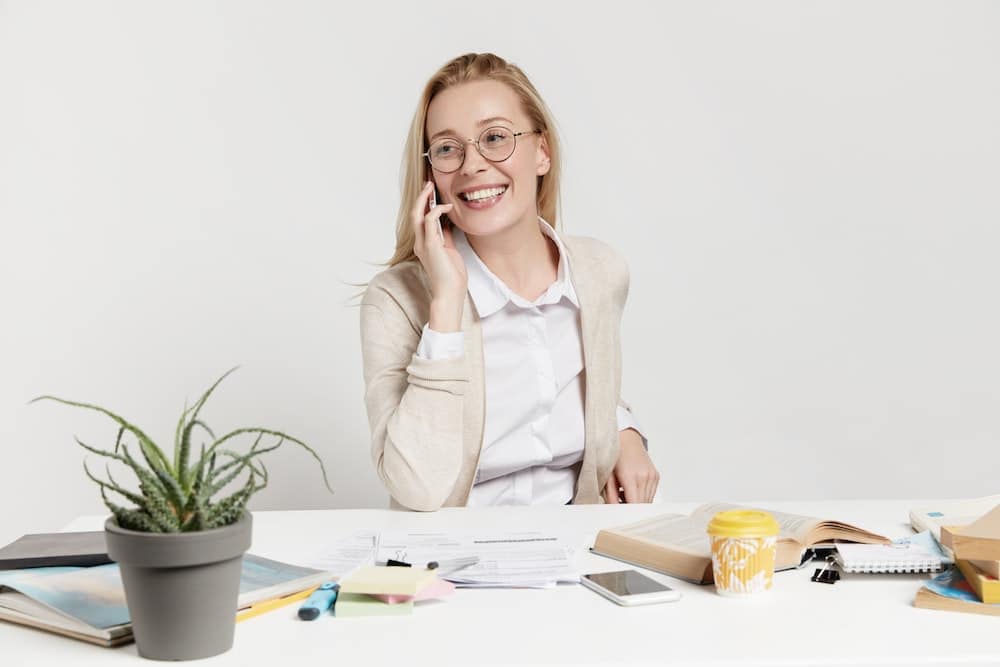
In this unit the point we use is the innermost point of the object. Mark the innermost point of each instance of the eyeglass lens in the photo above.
(496, 144)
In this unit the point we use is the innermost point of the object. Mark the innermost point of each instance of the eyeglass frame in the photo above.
(463, 142)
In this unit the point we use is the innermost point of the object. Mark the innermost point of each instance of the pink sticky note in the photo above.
(436, 590)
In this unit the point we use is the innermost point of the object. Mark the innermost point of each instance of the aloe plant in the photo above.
(181, 495)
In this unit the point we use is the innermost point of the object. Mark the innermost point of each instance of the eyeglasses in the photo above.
(496, 144)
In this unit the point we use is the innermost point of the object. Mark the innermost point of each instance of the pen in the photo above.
(319, 602)
(268, 605)
(452, 564)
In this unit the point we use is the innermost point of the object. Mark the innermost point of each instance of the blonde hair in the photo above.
(415, 171)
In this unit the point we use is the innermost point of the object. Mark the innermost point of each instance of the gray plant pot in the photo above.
(181, 588)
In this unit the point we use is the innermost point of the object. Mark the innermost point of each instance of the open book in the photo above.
(88, 603)
(678, 545)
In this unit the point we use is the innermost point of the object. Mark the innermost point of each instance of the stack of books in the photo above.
(973, 586)
(88, 603)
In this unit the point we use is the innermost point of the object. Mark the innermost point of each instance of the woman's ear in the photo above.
(542, 158)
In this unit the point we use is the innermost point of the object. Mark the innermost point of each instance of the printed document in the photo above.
(521, 560)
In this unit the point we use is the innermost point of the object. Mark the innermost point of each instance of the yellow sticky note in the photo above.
(378, 580)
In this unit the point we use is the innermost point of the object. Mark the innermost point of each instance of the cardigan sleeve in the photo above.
(414, 406)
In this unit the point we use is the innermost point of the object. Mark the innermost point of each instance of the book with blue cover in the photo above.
(949, 591)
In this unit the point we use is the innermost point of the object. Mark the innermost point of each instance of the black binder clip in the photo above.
(398, 560)
(826, 574)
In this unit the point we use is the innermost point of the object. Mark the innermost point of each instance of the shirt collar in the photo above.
(489, 294)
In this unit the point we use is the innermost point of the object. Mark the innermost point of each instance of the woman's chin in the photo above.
(485, 223)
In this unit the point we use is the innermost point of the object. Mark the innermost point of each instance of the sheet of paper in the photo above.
(925, 540)
(523, 560)
(343, 556)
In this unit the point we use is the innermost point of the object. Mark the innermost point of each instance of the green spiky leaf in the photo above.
(179, 495)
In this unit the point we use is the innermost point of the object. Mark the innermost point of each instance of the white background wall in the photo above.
(807, 193)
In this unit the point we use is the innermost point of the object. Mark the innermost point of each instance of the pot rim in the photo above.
(141, 549)
(111, 524)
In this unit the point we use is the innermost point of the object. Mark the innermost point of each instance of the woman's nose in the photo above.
(474, 161)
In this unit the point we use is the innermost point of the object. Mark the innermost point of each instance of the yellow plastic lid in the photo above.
(743, 523)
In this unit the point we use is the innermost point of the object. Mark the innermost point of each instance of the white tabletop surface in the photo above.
(861, 620)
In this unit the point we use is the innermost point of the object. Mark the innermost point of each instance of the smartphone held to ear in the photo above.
(431, 204)
(629, 588)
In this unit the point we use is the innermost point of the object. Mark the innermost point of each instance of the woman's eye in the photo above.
(495, 137)
(445, 150)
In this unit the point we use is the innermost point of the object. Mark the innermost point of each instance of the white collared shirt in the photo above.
(533, 360)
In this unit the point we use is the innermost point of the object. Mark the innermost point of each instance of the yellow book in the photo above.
(987, 588)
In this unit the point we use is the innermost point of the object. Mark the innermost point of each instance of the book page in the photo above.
(795, 526)
(679, 531)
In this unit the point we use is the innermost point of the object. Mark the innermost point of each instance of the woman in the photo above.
(491, 344)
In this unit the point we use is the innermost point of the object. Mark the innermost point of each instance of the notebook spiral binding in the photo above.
(887, 559)
(890, 568)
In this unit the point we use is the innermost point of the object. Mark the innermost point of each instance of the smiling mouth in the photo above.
(483, 195)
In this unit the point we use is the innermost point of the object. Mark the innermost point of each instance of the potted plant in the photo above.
(180, 544)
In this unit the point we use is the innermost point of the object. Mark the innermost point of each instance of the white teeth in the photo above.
(485, 193)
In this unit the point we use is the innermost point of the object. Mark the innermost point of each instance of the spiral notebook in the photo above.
(888, 558)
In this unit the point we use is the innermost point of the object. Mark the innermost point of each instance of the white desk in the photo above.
(861, 620)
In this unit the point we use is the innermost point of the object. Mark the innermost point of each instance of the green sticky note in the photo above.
(350, 605)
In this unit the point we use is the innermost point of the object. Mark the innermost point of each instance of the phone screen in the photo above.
(627, 582)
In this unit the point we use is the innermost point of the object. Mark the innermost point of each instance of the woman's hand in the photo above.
(444, 266)
(634, 478)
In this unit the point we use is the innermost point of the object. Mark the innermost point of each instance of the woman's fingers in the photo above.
(611, 490)
(631, 487)
(446, 236)
(427, 232)
(638, 483)
(432, 225)
(654, 481)
(417, 218)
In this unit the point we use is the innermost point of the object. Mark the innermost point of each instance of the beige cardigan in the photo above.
(427, 416)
